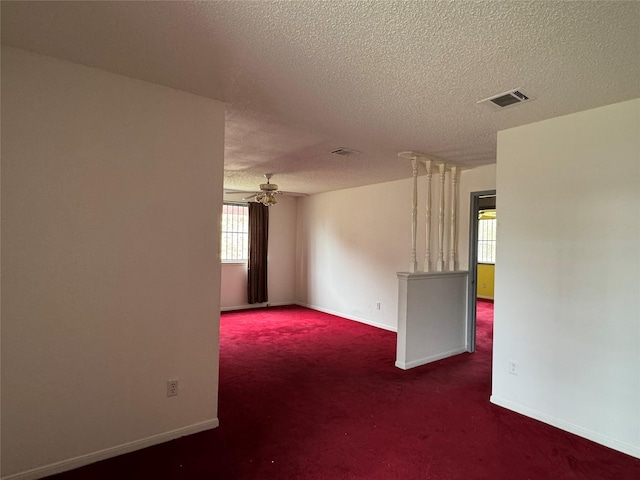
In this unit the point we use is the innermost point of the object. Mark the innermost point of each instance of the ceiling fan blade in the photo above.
(293, 194)
(250, 196)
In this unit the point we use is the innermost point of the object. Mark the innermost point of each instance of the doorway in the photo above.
(485, 200)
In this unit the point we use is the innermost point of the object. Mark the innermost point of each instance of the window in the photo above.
(234, 244)
(487, 236)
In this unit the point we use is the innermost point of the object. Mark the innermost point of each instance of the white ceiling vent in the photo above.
(345, 152)
(506, 99)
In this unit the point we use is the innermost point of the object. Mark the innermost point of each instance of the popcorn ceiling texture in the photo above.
(304, 78)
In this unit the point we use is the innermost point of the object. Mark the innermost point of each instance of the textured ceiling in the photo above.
(304, 78)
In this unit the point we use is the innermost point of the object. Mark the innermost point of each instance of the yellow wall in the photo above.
(485, 280)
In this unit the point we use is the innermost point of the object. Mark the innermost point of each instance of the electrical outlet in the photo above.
(513, 367)
(378, 306)
(172, 388)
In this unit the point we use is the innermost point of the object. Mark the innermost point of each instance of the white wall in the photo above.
(568, 273)
(281, 262)
(478, 179)
(282, 251)
(233, 280)
(111, 189)
(350, 247)
(351, 243)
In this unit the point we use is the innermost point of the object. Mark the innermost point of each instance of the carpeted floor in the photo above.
(306, 395)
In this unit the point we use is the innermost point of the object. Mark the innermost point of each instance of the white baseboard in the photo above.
(432, 358)
(93, 457)
(256, 305)
(348, 317)
(633, 450)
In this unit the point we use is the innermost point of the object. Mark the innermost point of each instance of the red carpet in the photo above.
(306, 395)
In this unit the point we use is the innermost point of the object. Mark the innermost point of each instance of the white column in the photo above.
(440, 265)
(427, 253)
(453, 250)
(413, 266)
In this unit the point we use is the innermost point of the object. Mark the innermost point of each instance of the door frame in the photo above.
(473, 266)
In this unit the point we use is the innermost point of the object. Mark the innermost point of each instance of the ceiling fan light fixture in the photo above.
(267, 194)
(268, 187)
(267, 199)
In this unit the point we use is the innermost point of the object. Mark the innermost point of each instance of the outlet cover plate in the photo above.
(513, 367)
(172, 388)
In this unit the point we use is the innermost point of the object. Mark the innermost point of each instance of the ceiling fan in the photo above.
(267, 193)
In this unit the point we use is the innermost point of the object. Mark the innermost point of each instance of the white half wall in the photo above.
(432, 317)
(568, 274)
(111, 193)
(281, 262)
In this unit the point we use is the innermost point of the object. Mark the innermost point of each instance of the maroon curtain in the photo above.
(258, 241)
